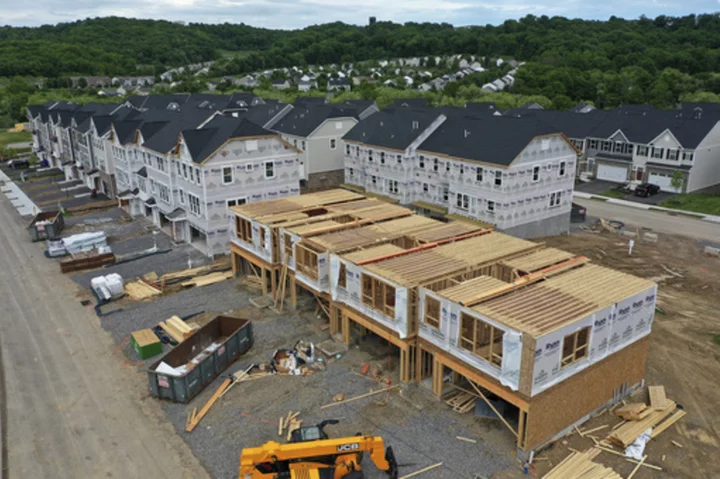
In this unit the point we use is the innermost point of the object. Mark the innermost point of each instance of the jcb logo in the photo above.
(348, 447)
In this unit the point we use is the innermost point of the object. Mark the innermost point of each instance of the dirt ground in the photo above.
(682, 357)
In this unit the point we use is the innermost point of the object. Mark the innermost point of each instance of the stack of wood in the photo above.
(289, 423)
(140, 289)
(580, 465)
(460, 401)
(639, 417)
(83, 261)
(207, 280)
(177, 329)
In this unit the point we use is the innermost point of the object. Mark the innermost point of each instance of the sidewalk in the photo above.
(20, 201)
(642, 206)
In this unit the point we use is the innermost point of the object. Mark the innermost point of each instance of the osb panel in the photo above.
(560, 406)
(527, 364)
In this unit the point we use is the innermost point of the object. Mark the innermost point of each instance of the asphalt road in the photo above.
(655, 220)
(74, 409)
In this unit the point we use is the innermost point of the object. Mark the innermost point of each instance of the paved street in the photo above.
(73, 408)
(660, 222)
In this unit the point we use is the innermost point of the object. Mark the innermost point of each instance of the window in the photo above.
(657, 153)
(462, 201)
(197, 175)
(351, 172)
(378, 295)
(269, 169)
(479, 174)
(179, 168)
(347, 149)
(593, 144)
(164, 193)
(160, 163)
(435, 164)
(482, 339)
(421, 164)
(184, 170)
(236, 202)
(642, 151)
(446, 194)
(498, 178)
(192, 174)
(374, 180)
(575, 346)
(342, 276)
(491, 206)
(306, 261)
(672, 154)
(195, 207)
(181, 195)
(687, 155)
(382, 157)
(399, 159)
(152, 186)
(302, 147)
(393, 186)
(555, 199)
(295, 142)
(536, 173)
(227, 172)
(248, 168)
(432, 312)
(462, 170)
(562, 168)
(332, 143)
(141, 184)
(370, 155)
(357, 151)
(606, 146)
(426, 187)
(243, 229)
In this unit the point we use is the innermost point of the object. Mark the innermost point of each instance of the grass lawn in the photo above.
(19, 137)
(614, 194)
(708, 204)
(236, 53)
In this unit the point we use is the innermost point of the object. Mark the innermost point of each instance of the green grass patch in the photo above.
(598, 198)
(7, 137)
(716, 338)
(677, 213)
(706, 204)
(614, 194)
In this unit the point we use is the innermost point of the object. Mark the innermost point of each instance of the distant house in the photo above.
(212, 85)
(582, 108)
(307, 85)
(476, 67)
(338, 84)
(499, 84)
(408, 81)
(489, 88)
(509, 80)
(281, 84)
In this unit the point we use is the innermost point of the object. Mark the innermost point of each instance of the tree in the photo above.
(82, 82)
(677, 181)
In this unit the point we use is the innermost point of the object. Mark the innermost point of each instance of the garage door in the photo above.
(618, 174)
(663, 180)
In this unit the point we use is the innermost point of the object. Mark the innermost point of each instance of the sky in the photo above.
(290, 14)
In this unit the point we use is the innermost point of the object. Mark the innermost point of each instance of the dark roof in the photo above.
(102, 123)
(165, 137)
(310, 100)
(177, 213)
(142, 172)
(395, 129)
(35, 110)
(151, 202)
(263, 113)
(279, 82)
(125, 130)
(496, 140)
(481, 106)
(303, 120)
(612, 157)
(669, 167)
(411, 102)
(338, 81)
(203, 142)
(361, 105)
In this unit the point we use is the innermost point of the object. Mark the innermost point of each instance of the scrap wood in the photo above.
(180, 325)
(372, 393)
(238, 377)
(594, 429)
(633, 411)
(460, 438)
(649, 466)
(196, 418)
(207, 280)
(581, 465)
(637, 467)
(658, 399)
(261, 302)
(413, 474)
(172, 332)
(679, 414)
(677, 444)
(627, 433)
(141, 290)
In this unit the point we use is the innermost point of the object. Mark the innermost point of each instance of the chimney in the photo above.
(467, 133)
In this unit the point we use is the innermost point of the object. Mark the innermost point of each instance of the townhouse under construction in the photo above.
(546, 338)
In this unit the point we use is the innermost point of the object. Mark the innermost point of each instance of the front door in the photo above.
(639, 174)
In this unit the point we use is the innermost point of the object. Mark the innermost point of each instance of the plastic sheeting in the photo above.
(85, 242)
(512, 355)
(108, 286)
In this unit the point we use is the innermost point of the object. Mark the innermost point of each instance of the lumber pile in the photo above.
(580, 465)
(658, 399)
(207, 280)
(141, 290)
(177, 329)
(629, 431)
(634, 411)
(83, 261)
(460, 401)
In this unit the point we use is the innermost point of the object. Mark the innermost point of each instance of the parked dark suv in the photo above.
(646, 189)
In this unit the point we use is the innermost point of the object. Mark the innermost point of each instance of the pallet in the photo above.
(460, 401)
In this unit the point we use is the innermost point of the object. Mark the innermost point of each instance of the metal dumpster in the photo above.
(46, 225)
(200, 358)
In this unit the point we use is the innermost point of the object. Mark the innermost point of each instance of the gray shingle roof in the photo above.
(496, 140)
(395, 129)
(205, 141)
(303, 120)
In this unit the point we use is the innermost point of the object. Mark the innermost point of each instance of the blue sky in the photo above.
(300, 13)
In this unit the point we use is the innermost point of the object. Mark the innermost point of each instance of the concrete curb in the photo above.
(642, 206)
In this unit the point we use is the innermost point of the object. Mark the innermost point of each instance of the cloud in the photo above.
(300, 13)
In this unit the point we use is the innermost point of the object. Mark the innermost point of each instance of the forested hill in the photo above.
(112, 45)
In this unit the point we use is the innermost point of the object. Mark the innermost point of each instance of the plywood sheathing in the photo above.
(424, 266)
(472, 288)
(571, 399)
(446, 230)
(563, 299)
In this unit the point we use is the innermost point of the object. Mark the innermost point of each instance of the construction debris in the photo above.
(301, 360)
(195, 418)
(460, 401)
(421, 471)
(371, 393)
(627, 433)
(460, 438)
(177, 329)
(262, 302)
(658, 399)
(140, 290)
(207, 280)
(580, 465)
(633, 412)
